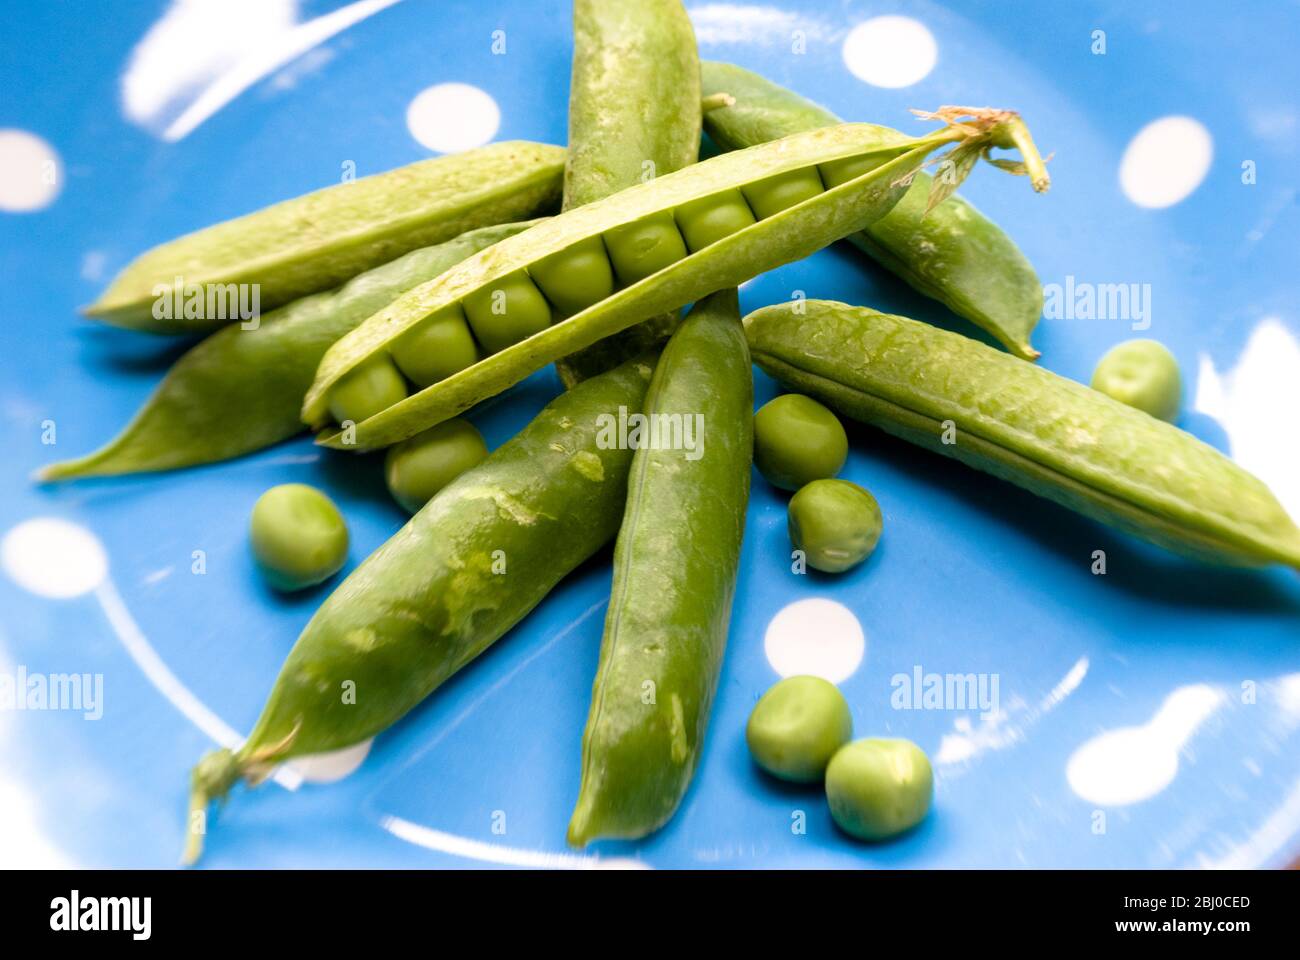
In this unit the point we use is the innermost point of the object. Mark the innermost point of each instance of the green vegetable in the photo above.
(437, 348)
(878, 788)
(506, 311)
(785, 236)
(954, 254)
(796, 727)
(465, 569)
(634, 114)
(317, 241)
(241, 390)
(797, 440)
(418, 468)
(674, 574)
(1143, 374)
(835, 523)
(367, 390)
(299, 537)
(1052, 436)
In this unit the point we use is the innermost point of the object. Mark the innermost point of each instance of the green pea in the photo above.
(437, 348)
(575, 278)
(1143, 374)
(835, 523)
(770, 196)
(299, 537)
(370, 388)
(644, 246)
(835, 172)
(797, 440)
(797, 726)
(709, 219)
(507, 311)
(878, 788)
(418, 468)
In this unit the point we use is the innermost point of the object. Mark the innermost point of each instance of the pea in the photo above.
(1143, 374)
(774, 194)
(709, 219)
(576, 277)
(299, 537)
(372, 387)
(644, 246)
(418, 468)
(797, 726)
(797, 440)
(436, 348)
(878, 788)
(506, 311)
(836, 172)
(835, 523)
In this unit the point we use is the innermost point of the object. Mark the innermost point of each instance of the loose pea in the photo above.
(835, 523)
(575, 278)
(372, 387)
(418, 468)
(436, 348)
(797, 440)
(836, 172)
(797, 726)
(299, 537)
(506, 311)
(709, 219)
(878, 788)
(644, 246)
(1143, 374)
(784, 190)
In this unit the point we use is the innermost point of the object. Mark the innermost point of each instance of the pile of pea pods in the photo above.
(397, 303)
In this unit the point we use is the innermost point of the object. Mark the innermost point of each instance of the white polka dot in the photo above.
(54, 558)
(333, 766)
(817, 637)
(451, 117)
(890, 51)
(31, 175)
(1166, 161)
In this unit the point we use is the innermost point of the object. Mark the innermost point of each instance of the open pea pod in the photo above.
(953, 253)
(646, 250)
(465, 569)
(1052, 436)
(317, 241)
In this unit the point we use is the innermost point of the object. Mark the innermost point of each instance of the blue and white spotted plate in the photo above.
(1141, 717)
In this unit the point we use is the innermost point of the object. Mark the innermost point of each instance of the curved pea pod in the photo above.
(314, 242)
(1052, 436)
(674, 575)
(434, 596)
(634, 114)
(953, 254)
(656, 280)
(241, 390)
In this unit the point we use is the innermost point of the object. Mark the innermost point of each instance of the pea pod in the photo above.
(674, 574)
(241, 390)
(645, 231)
(315, 242)
(466, 568)
(954, 254)
(634, 113)
(1052, 436)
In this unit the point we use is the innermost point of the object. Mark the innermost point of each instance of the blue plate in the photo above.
(1142, 716)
